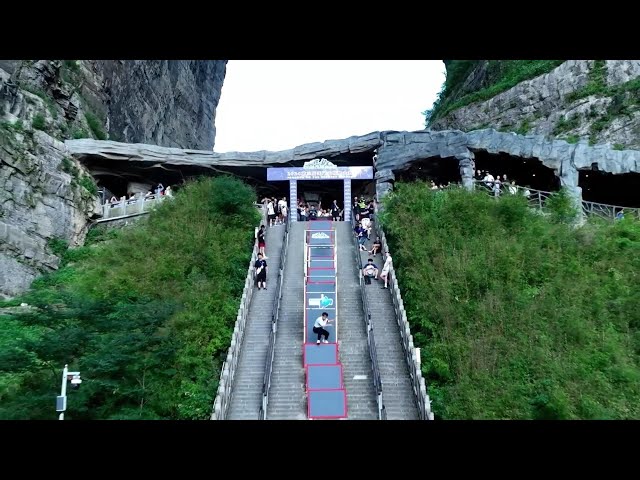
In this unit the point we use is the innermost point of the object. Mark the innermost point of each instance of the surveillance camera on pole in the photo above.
(61, 401)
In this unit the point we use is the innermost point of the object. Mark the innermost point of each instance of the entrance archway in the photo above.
(314, 172)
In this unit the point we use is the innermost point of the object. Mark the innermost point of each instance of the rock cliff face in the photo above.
(594, 99)
(162, 102)
(46, 196)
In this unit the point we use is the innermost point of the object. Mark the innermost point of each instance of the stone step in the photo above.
(246, 397)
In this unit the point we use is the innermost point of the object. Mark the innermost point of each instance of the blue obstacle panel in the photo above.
(321, 377)
(327, 404)
(325, 353)
(326, 287)
(320, 300)
(321, 263)
(321, 273)
(320, 225)
(311, 314)
(318, 253)
(321, 237)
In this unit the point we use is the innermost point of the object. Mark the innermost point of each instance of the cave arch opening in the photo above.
(612, 189)
(441, 170)
(525, 172)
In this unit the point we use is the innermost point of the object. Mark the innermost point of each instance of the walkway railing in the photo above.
(275, 315)
(131, 207)
(538, 199)
(412, 354)
(225, 385)
(377, 380)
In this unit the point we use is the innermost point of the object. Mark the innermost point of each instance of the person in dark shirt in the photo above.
(335, 211)
(372, 210)
(370, 269)
(261, 242)
(376, 247)
(261, 271)
(361, 233)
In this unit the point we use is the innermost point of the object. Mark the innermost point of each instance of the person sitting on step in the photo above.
(370, 270)
(318, 328)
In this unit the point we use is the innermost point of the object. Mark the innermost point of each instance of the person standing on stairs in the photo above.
(335, 211)
(261, 242)
(384, 275)
(318, 327)
(261, 271)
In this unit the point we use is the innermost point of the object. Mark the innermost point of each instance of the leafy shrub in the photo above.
(95, 125)
(147, 316)
(38, 122)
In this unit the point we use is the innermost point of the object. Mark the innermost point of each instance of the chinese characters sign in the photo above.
(336, 173)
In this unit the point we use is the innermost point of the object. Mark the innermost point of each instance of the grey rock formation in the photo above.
(39, 202)
(541, 104)
(396, 152)
(117, 151)
(163, 102)
(44, 193)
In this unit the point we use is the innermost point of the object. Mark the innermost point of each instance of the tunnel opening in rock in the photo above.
(604, 187)
(324, 192)
(117, 177)
(441, 170)
(525, 172)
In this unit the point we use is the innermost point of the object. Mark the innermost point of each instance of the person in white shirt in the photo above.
(384, 275)
(271, 214)
(318, 327)
(488, 181)
(282, 206)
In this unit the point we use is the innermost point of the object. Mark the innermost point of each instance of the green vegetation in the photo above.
(38, 122)
(79, 133)
(146, 314)
(71, 74)
(95, 125)
(89, 184)
(17, 127)
(572, 138)
(72, 65)
(618, 146)
(595, 86)
(66, 164)
(46, 98)
(625, 98)
(566, 124)
(518, 315)
(58, 246)
(501, 75)
(524, 128)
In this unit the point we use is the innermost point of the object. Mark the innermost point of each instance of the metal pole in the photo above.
(63, 390)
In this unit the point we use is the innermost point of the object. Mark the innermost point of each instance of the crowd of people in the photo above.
(497, 184)
(277, 210)
(133, 197)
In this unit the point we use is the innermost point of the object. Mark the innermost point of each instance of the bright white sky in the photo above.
(280, 104)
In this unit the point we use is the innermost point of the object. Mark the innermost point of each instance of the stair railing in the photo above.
(377, 381)
(275, 313)
(412, 354)
(225, 385)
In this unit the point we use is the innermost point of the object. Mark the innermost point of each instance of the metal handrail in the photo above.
(377, 380)
(275, 313)
(537, 199)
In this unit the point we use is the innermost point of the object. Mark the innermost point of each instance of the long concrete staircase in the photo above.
(287, 393)
(352, 333)
(398, 396)
(246, 398)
